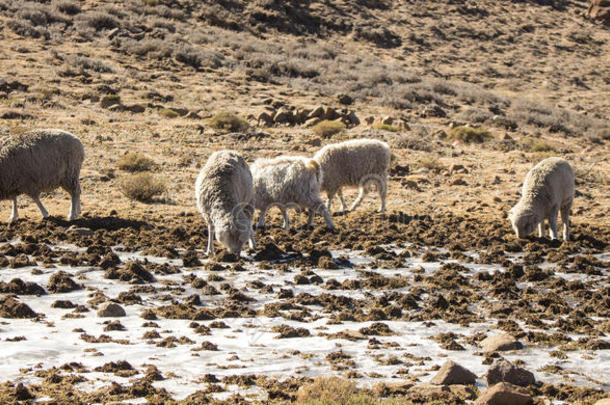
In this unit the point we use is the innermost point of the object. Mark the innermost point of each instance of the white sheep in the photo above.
(548, 189)
(287, 182)
(354, 163)
(224, 195)
(39, 161)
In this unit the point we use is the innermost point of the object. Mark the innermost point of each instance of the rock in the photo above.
(605, 401)
(265, 118)
(111, 310)
(330, 114)
(502, 370)
(135, 108)
(192, 115)
(180, 111)
(283, 116)
(402, 125)
(79, 231)
(434, 110)
(369, 120)
(351, 119)
(7, 87)
(312, 121)
(11, 308)
(110, 100)
(453, 373)
(22, 393)
(387, 120)
(456, 168)
(317, 112)
(504, 394)
(16, 115)
(599, 10)
(112, 33)
(500, 342)
(459, 181)
(301, 114)
(345, 99)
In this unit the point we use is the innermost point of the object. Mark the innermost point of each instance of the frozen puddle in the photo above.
(250, 345)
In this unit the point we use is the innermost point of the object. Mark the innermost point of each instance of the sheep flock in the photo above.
(228, 190)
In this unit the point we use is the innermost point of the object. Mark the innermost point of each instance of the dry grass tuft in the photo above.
(228, 122)
(327, 128)
(329, 389)
(469, 134)
(142, 187)
(135, 162)
(386, 127)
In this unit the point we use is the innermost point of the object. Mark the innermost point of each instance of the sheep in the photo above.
(548, 189)
(224, 194)
(38, 161)
(354, 163)
(288, 181)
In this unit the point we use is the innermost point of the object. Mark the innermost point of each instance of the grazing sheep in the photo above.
(224, 195)
(354, 163)
(40, 161)
(548, 188)
(288, 181)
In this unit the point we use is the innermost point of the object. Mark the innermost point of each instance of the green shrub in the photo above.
(469, 134)
(537, 145)
(168, 113)
(229, 122)
(135, 162)
(386, 127)
(142, 186)
(328, 128)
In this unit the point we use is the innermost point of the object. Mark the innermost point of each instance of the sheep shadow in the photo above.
(109, 223)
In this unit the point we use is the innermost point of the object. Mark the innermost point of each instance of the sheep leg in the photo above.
(553, 224)
(14, 211)
(541, 229)
(210, 251)
(43, 211)
(261, 219)
(343, 204)
(361, 194)
(75, 206)
(310, 219)
(330, 196)
(383, 192)
(286, 218)
(565, 219)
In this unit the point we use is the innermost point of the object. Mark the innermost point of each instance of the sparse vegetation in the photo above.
(537, 145)
(431, 163)
(327, 390)
(470, 134)
(386, 127)
(135, 162)
(168, 113)
(143, 187)
(327, 128)
(228, 122)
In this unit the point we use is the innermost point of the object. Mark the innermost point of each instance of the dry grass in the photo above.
(143, 187)
(327, 128)
(135, 162)
(228, 122)
(386, 127)
(331, 389)
(168, 113)
(470, 135)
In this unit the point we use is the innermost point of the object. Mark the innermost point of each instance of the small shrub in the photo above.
(537, 145)
(69, 7)
(229, 122)
(135, 162)
(25, 28)
(100, 20)
(431, 163)
(142, 187)
(168, 113)
(469, 134)
(386, 127)
(47, 94)
(327, 389)
(83, 63)
(189, 56)
(328, 128)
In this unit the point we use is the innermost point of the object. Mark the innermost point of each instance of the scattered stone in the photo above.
(345, 99)
(110, 100)
(387, 120)
(317, 112)
(111, 310)
(286, 331)
(20, 287)
(283, 116)
(64, 304)
(265, 118)
(599, 10)
(504, 394)
(452, 373)
(22, 393)
(502, 370)
(500, 342)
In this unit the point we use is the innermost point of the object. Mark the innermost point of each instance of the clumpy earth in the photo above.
(382, 302)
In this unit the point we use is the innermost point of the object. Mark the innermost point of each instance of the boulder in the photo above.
(387, 120)
(502, 370)
(599, 10)
(283, 116)
(330, 113)
(265, 118)
(504, 394)
(500, 342)
(351, 119)
(452, 373)
(317, 112)
(111, 310)
(312, 121)
(345, 99)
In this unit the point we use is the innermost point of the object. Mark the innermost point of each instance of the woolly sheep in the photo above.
(288, 181)
(548, 189)
(38, 161)
(354, 163)
(224, 195)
